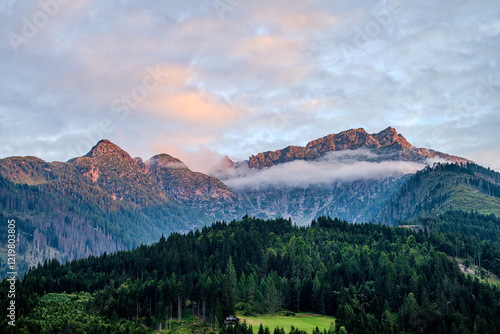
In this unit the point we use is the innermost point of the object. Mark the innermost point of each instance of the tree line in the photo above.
(373, 278)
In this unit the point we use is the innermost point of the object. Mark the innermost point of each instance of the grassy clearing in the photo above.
(414, 228)
(189, 324)
(475, 271)
(303, 321)
(466, 198)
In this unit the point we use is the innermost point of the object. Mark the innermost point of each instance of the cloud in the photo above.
(194, 108)
(270, 74)
(331, 168)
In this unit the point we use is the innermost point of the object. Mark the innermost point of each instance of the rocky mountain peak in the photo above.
(357, 138)
(346, 140)
(227, 162)
(165, 161)
(106, 148)
(390, 136)
(182, 184)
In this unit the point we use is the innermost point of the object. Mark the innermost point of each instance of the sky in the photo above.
(201, 79)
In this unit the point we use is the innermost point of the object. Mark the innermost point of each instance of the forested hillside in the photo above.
(445, 187)
(467, 235)
(374, 279)
(106, 200)
(69, 218)
(102, 202)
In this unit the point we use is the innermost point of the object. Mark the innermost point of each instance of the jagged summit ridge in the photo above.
(357, 138)
(388, 144)
(390, 136)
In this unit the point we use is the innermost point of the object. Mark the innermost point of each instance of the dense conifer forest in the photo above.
(467, 235)
(372, 278)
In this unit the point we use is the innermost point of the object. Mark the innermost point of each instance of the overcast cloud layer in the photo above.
(331, 168)
(201, 79)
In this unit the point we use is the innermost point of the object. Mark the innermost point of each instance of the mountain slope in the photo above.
(354, 200)
(106, 200)
(102, 202)
(357, 196)
(445, 187)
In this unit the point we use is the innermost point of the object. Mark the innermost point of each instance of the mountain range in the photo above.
(385, 145)
(106, 200)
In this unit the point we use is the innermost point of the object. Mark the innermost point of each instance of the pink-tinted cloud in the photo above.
(230, 80)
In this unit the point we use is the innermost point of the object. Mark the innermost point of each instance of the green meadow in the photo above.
(303, 321)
